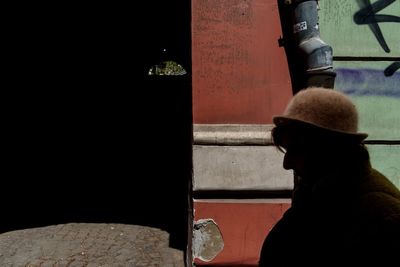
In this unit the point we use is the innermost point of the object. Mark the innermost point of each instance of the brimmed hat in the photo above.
(325, 109)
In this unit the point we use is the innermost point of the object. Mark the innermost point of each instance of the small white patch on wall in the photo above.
(207, 240)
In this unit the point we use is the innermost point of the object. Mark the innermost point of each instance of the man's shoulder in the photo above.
(377, 185)
(379, 206)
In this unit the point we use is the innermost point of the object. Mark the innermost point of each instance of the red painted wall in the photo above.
(240, 74)
(243, 226)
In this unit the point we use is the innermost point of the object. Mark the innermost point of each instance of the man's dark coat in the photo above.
(350, 217)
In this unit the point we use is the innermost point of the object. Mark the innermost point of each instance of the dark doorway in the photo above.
(90, 136)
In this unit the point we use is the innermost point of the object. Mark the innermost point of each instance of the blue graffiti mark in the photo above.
(361, 82)
(392, 68)
(367, 15)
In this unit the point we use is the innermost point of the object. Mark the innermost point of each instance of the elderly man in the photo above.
(343, 212)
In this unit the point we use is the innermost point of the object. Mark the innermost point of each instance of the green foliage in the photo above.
(167, 68)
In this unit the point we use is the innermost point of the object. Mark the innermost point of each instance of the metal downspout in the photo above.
(315, 53)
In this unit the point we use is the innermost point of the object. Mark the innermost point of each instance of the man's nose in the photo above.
(288, 161)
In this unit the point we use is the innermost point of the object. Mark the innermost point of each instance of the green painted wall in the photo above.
(348, 38)
(376, 96)
(366, 49)
(386, 159)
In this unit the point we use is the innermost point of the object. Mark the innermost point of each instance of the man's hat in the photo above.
(325, 109)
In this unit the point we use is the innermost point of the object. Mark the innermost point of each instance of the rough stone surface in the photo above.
(89, 245)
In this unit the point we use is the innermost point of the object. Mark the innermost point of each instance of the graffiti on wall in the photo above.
(392, 68)
(370, 74)
(363, 82)
(368, 15)
(366, 78)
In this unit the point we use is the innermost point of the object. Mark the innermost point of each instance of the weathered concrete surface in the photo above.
(89, 245)
(239, 168)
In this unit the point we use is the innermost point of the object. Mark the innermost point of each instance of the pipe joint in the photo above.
(318, 54)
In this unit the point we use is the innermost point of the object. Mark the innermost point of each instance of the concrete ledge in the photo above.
(239, 168)
(88, 245)
(232, 134)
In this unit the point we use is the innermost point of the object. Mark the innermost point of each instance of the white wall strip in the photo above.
(232, 134)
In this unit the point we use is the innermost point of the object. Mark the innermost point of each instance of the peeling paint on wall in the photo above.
(207, 240)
